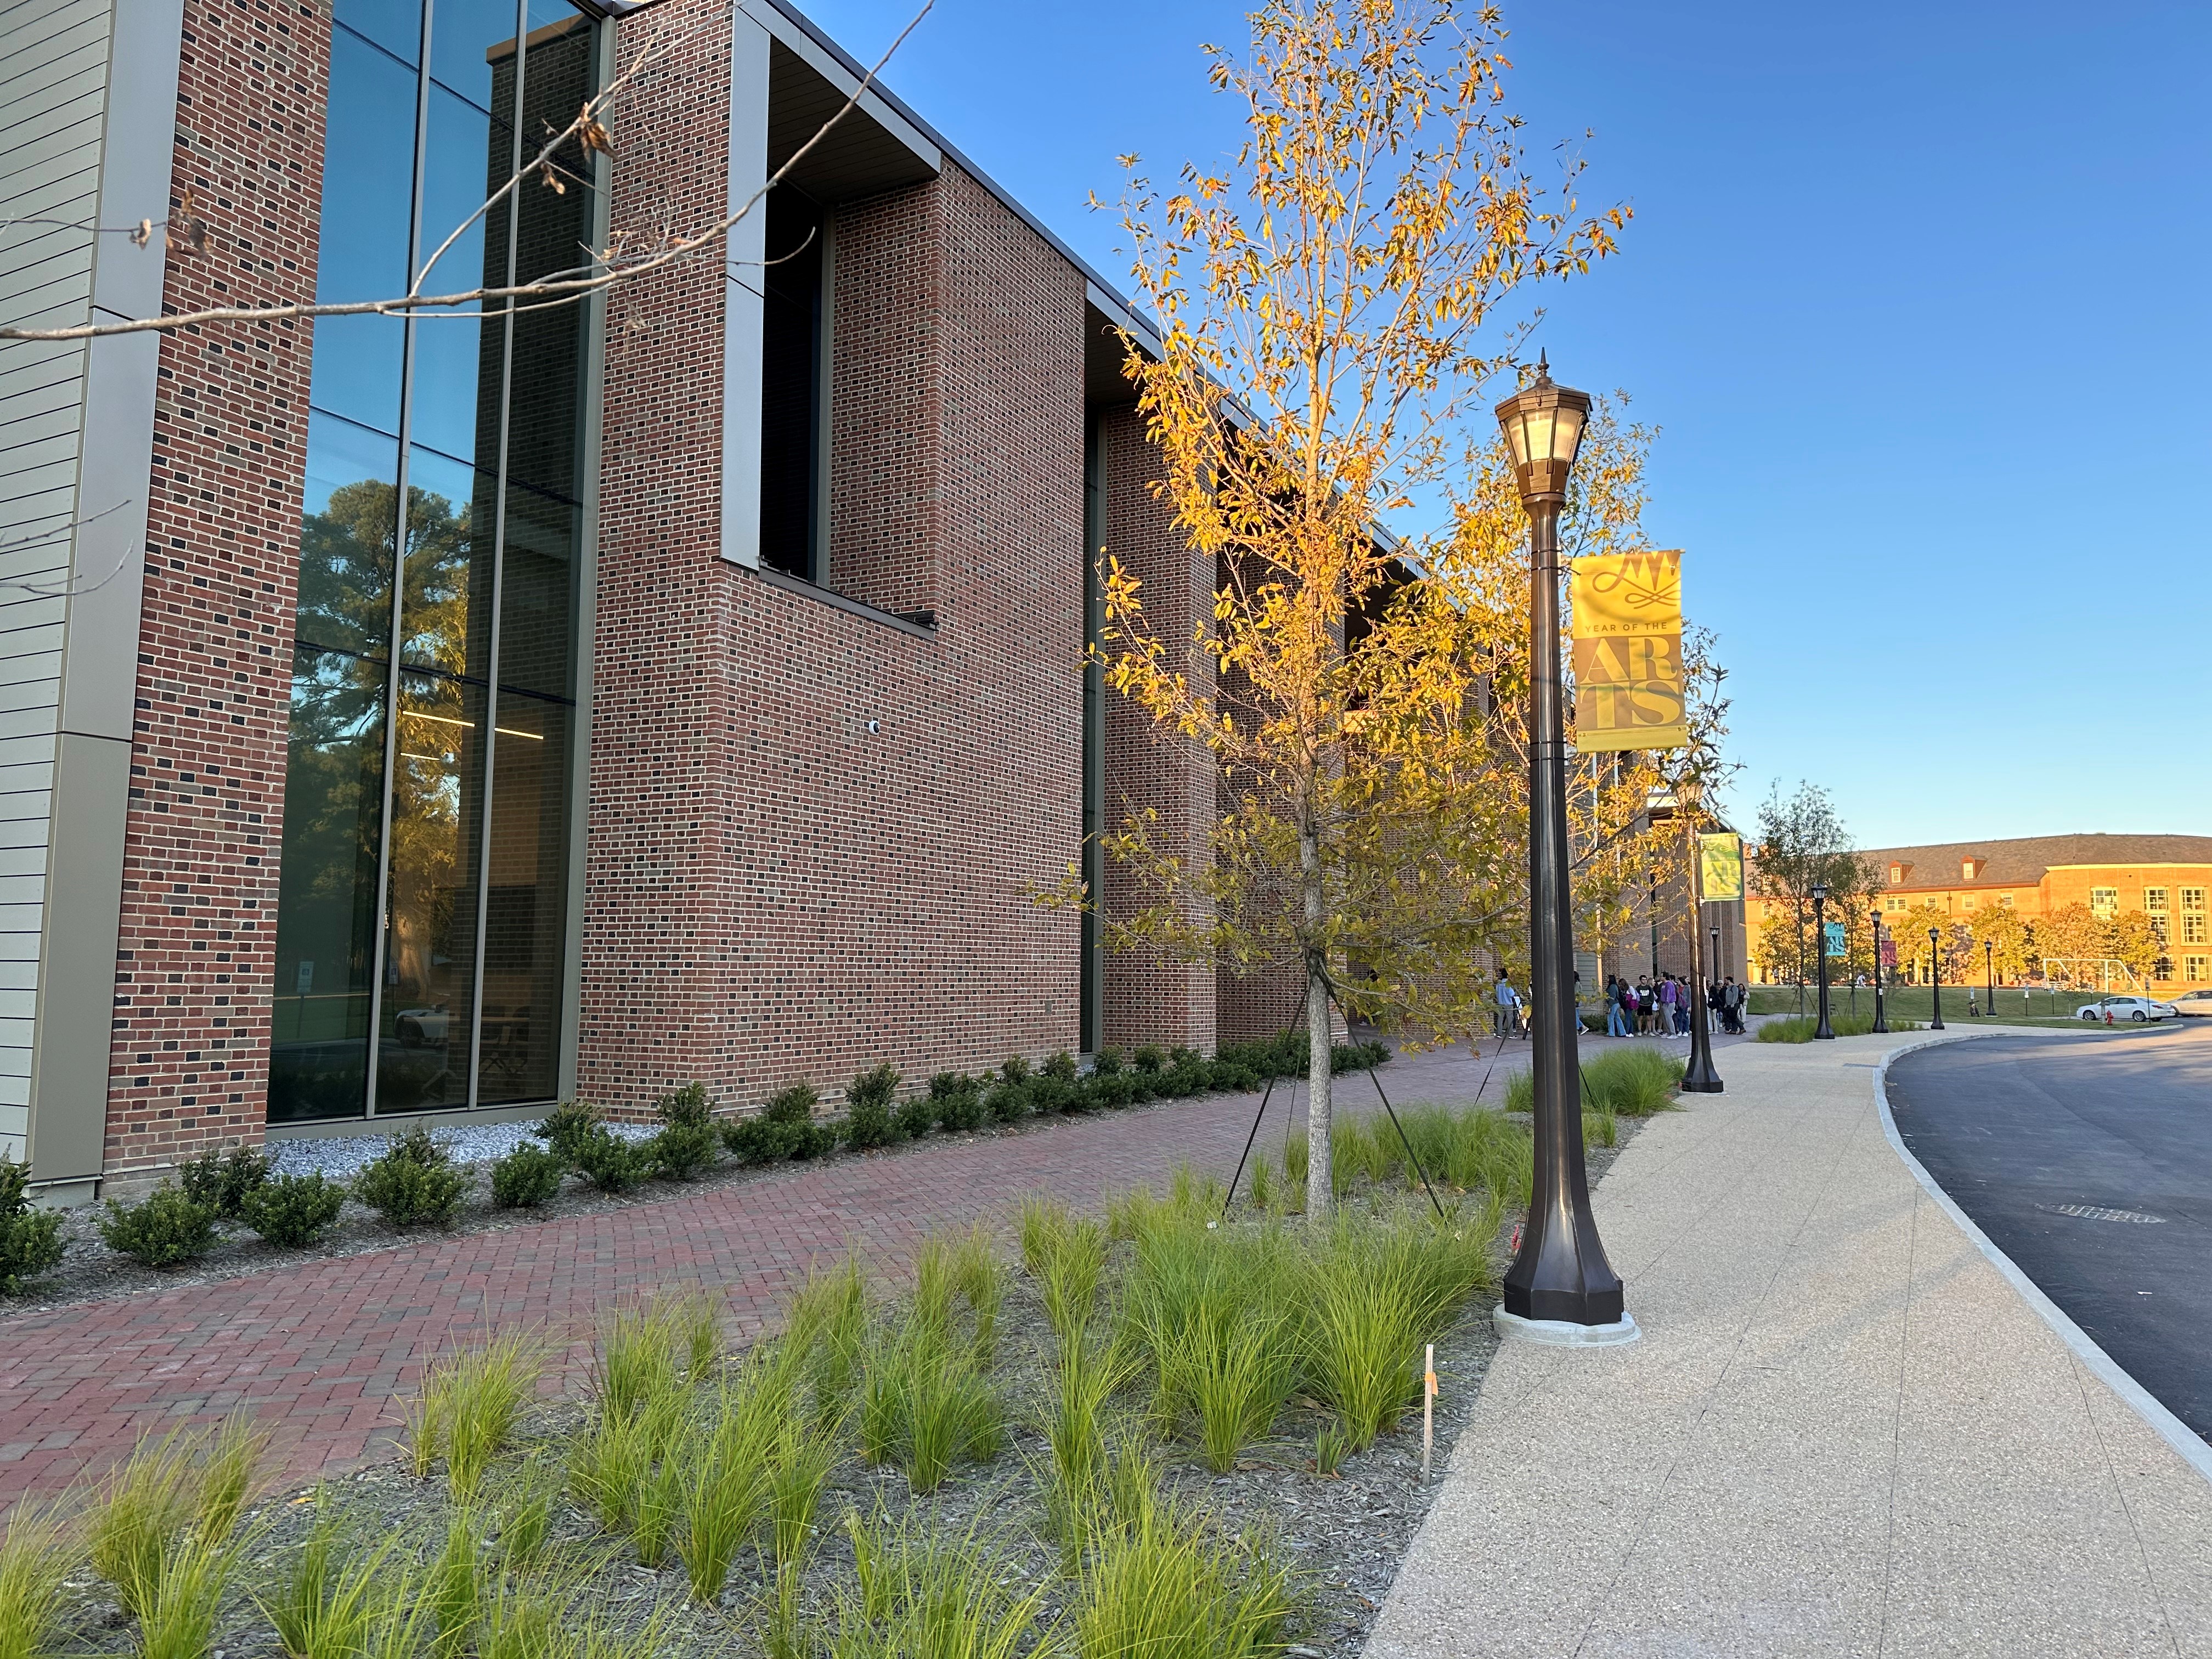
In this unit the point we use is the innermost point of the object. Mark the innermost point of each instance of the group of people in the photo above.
(1660, 1006)
(1646, 1007)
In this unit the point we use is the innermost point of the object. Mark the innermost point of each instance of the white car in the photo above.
(2137, 1009)
(2196, 1003)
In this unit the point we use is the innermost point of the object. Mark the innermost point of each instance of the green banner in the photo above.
(1720, 867)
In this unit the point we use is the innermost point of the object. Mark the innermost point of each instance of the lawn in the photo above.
(1914, 1002)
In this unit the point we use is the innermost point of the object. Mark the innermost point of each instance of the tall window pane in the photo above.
(429, 960)
(363, 254)
(450, 351)
(526, 931)
(387, 871)
(326, 904)
(345, 539)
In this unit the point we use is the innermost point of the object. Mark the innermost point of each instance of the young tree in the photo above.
(1802, 844)
(2010, 934)
(1911, 930)
(2075, 939)
(2135, 944)
(1328, 305)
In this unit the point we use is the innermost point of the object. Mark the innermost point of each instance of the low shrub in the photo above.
(169, 1227)
(1106, 1062)
(414, 1182)
(293, 1210)
(1150, 1059)
(1015, 1069)
(688, 1108)
(868, 1099)
(1232, 1076)
(221, 1183)
(526, 1177)
(611, 1163)
(1062, 1066)
(958, 1099)
(30, 1240)
(915, 1118)
(1007, 1103)
(1050, 1093)
(795, 1104)
(682, 1150)
(567, 1126)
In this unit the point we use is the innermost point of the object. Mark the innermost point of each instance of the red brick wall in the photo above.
(196, 949)
(773, 892)
(1149, 997)
(885, 483)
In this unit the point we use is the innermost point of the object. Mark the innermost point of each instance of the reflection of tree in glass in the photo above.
(345, 601)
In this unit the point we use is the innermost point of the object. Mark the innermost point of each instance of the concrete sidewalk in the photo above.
(1844, 1432)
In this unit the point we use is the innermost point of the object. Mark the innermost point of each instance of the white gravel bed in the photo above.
(342, 1157)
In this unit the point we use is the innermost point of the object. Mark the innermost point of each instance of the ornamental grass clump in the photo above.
(158, 1529)
(293, 1210)
(731, 1463)
(38, 1554)
(1164, 1581)
(1373, 1291)
(333, 1598)
(1634, 1081)
(925, 1592)
(470, 1404)
(30, 1239)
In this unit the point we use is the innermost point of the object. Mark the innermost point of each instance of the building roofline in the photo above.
(1119, 308)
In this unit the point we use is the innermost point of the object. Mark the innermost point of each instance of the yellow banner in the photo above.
(1628, 652)
(1720, 867)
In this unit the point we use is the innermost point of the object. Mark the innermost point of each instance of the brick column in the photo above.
(196, 950)
(1149, 997)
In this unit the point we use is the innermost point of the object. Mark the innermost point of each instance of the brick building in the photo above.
(442, 716)
(2166, 878)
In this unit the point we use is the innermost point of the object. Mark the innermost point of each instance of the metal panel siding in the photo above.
(54, 108)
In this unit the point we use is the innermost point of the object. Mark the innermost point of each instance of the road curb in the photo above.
(2176, 1433)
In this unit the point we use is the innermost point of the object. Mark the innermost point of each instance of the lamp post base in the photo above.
(1564, 1333)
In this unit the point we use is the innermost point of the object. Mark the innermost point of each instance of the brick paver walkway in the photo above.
(321, 1352)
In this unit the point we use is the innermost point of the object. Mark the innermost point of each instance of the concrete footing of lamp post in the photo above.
(1564, 1333)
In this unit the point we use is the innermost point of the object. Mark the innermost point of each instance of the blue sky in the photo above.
(1917, 295)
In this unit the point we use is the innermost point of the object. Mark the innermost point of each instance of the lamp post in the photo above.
(1935, 979)
(1822, 1032)
(1880, 1020)
(1698, 1077)
(1990, 967)
(1560, 1287)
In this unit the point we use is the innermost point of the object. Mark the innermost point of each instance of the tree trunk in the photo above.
(1321, 1188)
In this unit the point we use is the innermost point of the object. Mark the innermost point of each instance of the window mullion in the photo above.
(381, 955)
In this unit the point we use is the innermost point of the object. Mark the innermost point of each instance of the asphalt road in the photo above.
(2057, 1146)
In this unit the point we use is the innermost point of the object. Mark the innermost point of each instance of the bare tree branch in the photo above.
(605, 272)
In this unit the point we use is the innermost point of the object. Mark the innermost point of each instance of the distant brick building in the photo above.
(2166, 878)
(440, 716)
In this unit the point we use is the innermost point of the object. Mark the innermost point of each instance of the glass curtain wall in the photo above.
(422, 910)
